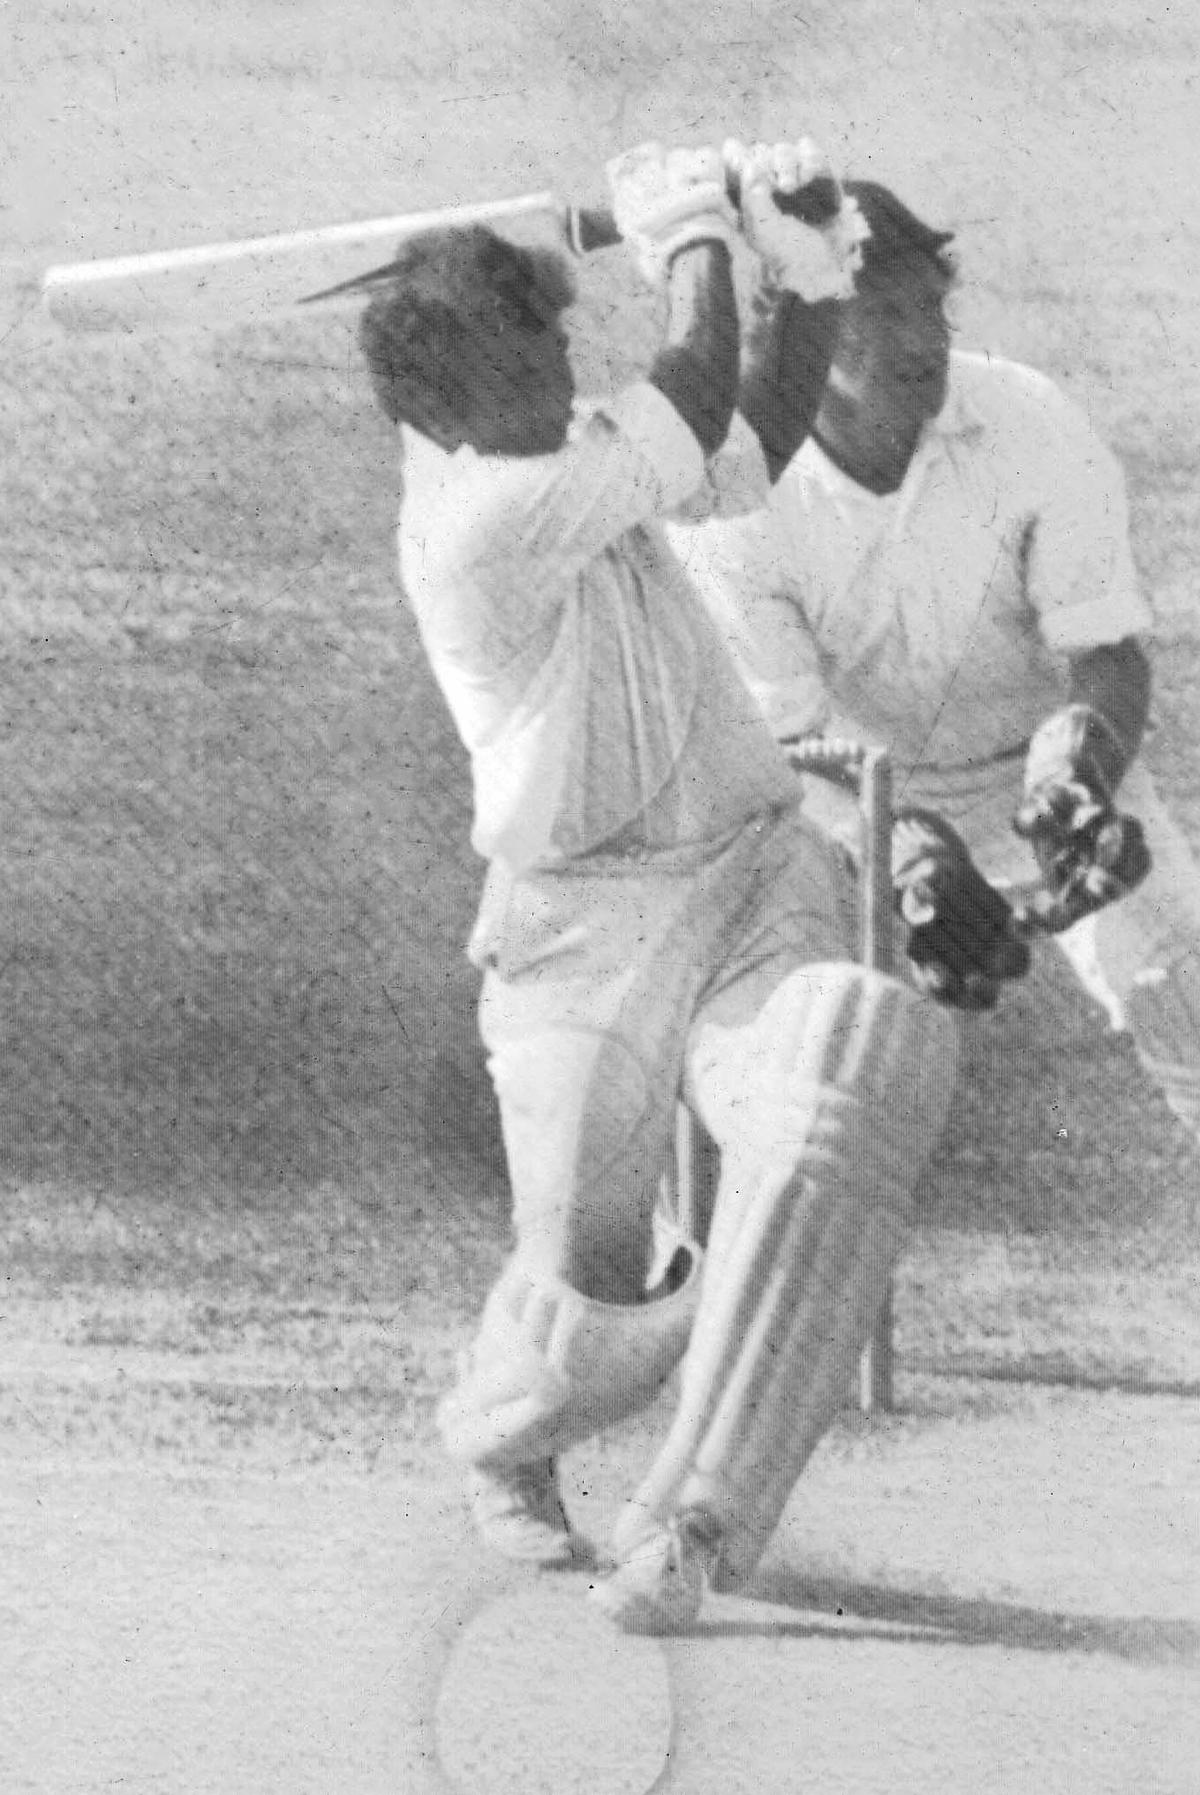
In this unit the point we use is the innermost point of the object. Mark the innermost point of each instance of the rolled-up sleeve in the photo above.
(1080, 576)
(633, 460)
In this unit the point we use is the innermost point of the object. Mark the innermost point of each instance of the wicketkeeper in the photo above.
(657, 916)
(944, 568)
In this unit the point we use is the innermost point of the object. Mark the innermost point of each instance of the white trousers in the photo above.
(609, 990)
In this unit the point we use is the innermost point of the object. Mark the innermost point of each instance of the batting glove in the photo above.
(806, 231)
(1089, 853)
(964, 939)
(665, 201)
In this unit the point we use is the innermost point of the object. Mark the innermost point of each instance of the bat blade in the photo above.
(224, 285)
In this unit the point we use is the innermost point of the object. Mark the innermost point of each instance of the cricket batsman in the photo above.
(657, 918)
(944, 567)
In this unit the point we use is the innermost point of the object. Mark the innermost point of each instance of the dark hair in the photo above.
(901, 246)
(447, 293)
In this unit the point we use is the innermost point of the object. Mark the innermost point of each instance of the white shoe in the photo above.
(661, 1576)
(519, 1513)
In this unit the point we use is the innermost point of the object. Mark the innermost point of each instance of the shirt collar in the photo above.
(958, 420)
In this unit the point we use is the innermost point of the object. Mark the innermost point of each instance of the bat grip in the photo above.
(591, 228)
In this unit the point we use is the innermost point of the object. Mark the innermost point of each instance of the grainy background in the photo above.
(251, 1181)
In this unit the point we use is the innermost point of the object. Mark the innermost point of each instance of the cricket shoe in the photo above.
(519, 1513)
(662, 1573)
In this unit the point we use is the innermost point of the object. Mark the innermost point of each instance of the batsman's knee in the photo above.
(837, 1028)
(550, 1367)
(868, 1033)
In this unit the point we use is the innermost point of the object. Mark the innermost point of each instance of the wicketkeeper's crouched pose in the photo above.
(657, 917)
(945, 568)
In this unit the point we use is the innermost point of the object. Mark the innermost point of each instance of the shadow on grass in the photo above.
(873, 1611)
(1054, 1370)
(233, 953)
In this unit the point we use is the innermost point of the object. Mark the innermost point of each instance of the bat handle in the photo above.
(590, 228)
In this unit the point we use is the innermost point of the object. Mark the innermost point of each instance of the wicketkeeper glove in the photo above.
(1089, 853)
(665, 201)
(806, 231)
(964, 938)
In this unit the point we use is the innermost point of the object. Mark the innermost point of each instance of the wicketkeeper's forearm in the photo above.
(1114, 680)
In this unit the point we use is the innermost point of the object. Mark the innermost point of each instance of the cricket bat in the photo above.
(246, 281)
(222, 285)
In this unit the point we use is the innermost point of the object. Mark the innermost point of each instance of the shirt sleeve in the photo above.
(528, 519)
(1080, 576)
(736, 479)
(737, 566)
(491, 546)
(648, 421)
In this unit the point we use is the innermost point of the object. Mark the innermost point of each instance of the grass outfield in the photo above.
(237, 1041)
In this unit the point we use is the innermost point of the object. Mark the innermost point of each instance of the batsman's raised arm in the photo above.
(674, 213)
(807, 234)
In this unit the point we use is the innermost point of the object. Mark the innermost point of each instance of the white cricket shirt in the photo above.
(934, 619)
(591, 689)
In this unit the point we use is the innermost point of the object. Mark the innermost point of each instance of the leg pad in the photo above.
(807, 1226)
